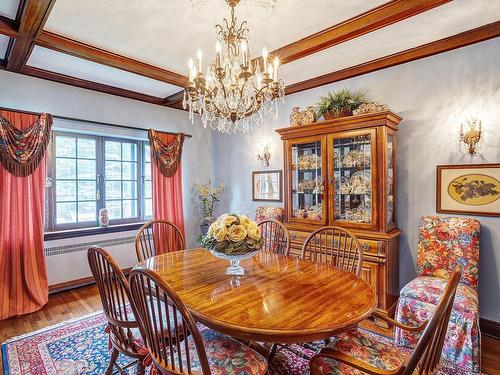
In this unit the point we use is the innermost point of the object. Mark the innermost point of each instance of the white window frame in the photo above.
(50, 215)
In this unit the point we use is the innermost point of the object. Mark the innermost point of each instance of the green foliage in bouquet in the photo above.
(233, 235)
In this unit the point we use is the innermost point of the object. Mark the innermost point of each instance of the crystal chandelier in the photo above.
(235, 94)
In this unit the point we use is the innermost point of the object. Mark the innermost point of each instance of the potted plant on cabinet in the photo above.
(340, 103)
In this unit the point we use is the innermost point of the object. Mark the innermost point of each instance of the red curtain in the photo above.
(23, 278)
(167, 200)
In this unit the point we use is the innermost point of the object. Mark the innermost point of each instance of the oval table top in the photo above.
(279, 299)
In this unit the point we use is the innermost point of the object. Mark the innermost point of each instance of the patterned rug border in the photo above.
(46, 329)
(4, 346)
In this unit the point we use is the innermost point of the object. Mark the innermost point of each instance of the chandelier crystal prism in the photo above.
(235, 94)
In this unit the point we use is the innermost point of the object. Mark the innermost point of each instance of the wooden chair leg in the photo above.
(272, 353)
(114, 356)
(140, 368)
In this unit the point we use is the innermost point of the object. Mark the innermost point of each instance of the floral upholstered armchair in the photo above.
(269, 213)
(445, 242)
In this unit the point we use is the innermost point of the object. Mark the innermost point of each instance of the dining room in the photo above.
(247, 187)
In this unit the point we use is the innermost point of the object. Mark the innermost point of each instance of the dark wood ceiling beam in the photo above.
(384, 15)
(466, 38)
(61, 78)
(32, 19)
(174, 100)
(81, 50)
(8, 27)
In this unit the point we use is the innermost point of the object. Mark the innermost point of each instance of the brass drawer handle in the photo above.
(293, 236)
(365, 247)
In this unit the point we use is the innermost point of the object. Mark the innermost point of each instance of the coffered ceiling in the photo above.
(139, 49)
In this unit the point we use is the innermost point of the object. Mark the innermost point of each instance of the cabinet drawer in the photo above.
(371, 247)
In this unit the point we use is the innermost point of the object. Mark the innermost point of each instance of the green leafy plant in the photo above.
(340, 103)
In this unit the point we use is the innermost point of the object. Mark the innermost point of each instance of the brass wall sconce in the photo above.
(471, 136)
(264, 156)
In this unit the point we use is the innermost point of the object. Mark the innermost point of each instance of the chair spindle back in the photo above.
(336, 246)
(113, 287)
(276, 237)
(156, 305)
(158, 236)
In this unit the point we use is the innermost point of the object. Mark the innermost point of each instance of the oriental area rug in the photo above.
(80, 346)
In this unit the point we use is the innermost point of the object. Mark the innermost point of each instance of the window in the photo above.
(87, 173)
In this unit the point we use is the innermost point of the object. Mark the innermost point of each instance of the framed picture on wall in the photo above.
(469, 189)
(266, 186)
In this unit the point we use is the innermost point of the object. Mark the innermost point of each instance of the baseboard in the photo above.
(490, 328)
(67, 285)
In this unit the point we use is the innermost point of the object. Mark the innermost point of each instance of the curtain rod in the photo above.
(88, 121)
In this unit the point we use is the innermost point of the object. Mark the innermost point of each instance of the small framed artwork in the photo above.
(266, 186)
(469, 189)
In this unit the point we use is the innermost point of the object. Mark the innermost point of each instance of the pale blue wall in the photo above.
(432, 95)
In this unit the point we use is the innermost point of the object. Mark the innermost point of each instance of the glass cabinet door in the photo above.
(390, 180)
(307, 185)
(352, 179)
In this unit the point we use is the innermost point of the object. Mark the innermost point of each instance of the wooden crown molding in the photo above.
(84, 51)
(374, 19)
(463, 39)
(32, 18)
(8, 27)
(61, 78)
(379, 17)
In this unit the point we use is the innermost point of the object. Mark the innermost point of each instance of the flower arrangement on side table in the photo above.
(233, 237)
(209, 198)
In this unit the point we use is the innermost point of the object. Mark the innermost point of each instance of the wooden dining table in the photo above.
(280, 298)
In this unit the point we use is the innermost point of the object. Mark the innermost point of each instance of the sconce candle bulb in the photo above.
(264, 156)
(472, 135)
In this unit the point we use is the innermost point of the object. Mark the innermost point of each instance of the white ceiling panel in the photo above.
(8, 8)
(167, 33)
(4, 42)
(72, 66)
(441, 22)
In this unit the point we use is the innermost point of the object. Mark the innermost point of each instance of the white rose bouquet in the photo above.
(233, 235)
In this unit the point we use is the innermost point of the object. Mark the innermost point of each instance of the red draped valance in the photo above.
(166, 156)
(21, 151)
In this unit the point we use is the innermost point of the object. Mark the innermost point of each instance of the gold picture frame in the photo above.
(468, 189)
(267, 186)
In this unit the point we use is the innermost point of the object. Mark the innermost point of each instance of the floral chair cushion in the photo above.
(227, 356)
(429, 289)
(359, 345)
(445, 242)
(269, 213)
(417, 302)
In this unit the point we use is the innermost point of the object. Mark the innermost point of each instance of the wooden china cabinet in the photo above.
(342, 172)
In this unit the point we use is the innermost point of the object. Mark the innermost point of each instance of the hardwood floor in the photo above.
(85, 300)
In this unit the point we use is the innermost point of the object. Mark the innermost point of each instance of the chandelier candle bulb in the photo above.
(218, 49)
(270, 71)
(199, 55)
(244, 51)
(264, 56)
(276, 64)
